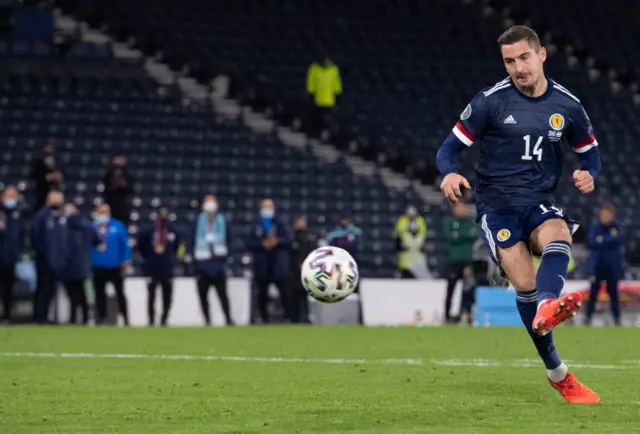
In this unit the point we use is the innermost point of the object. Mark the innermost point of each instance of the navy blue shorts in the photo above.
(505, 227)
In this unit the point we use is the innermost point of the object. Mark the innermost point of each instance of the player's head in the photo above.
(10, 197)
(118, 160)
(607, 214)
(210, 204)
(267, 208)
(523, 56)
(460, 209)
(103, 213)
(48, 147)
(300, 224)
(55, 199)
(163, 213)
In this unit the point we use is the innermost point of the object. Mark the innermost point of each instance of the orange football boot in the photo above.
(574, 391)
(554, 311)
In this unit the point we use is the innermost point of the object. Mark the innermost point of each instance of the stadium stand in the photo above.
(402, 86)
(93, 105)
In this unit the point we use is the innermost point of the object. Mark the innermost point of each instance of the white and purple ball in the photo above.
(329, 274)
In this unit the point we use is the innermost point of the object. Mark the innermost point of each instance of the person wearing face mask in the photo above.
(411, 233)
(46, 174)
(81, 236)
(160, 246)
(210, 251)
(304, 243)
(118, 185)
(49, 239)
(109, 261)
(270, 244)
(12, 237)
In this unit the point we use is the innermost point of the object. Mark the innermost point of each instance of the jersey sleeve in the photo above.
(580, 132)
(473, 120)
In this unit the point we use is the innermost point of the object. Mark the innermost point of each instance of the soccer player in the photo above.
(521, 125)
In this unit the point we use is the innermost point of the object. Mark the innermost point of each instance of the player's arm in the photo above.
(583, 141)
(466, 131)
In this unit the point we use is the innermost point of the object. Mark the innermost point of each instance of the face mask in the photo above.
(101, 219)
(210, 207)
(54, 206)
(10, 203)
(267, 213)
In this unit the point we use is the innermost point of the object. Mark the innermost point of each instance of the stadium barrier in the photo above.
(385, 302)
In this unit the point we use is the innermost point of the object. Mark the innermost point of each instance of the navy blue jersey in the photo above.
(521, 140)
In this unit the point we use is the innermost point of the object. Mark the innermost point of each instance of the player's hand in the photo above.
(450, 186)
(583, 180)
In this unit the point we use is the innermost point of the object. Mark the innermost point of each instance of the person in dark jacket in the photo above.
(46, 173)
(49, 239)
(12, 241)
(461, 233)
(303, 244)
(160, 246)
(109, 261)
(210, 251)
(605, 260)
(118, 185)
(270, 244)
(81, 237)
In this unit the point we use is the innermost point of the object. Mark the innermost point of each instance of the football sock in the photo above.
(558, 374)
(527, 306)
(552, 272)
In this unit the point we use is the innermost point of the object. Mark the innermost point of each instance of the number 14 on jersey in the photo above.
(537, 149)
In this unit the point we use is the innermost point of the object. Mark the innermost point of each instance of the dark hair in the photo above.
(520, 33)
(608, 206)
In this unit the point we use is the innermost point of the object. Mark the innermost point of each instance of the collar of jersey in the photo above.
(542, 97)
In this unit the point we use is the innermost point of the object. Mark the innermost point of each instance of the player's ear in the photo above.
(543, 54)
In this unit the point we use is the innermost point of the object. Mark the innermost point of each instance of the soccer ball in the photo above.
(329, 274)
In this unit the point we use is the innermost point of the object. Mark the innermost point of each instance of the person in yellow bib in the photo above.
(323, 84)
(410, 234)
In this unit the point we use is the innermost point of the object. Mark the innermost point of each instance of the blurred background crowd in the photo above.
(229, 138)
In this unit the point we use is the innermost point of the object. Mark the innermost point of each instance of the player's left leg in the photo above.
(553, 239)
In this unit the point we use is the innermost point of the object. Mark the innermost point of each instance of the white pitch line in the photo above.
(216, 358)
(526, 363)
(474, 363)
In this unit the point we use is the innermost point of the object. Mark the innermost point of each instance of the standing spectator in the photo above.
(605, 260)
(347, 236)
(81, 236)
(270, 243)
(12, 237)
(323, 84)
(109, 261)
(161, 247)
(46, 174)
(118, 185)
(49, 236)
(411, 233)
(461, 233)
(210, 251)
(303, 244)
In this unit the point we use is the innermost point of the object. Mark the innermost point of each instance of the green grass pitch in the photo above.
(286, 379)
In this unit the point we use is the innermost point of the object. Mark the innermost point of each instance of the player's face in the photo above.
(523, 63)
(606, 216)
